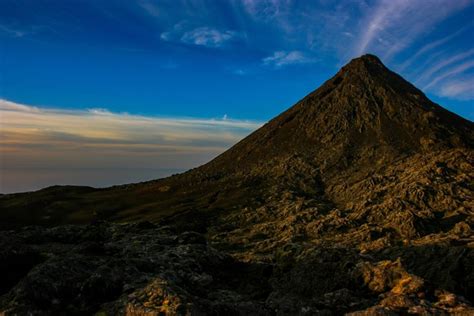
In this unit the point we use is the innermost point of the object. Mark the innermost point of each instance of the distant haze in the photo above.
(42, 147)
(28, 179)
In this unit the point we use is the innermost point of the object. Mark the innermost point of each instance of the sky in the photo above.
(96, 92)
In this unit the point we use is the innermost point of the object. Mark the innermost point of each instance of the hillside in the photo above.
(364, 180)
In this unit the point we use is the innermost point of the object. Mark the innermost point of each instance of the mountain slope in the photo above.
(365, 180)
(364, 112)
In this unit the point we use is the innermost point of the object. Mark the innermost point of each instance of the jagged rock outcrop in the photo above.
(136, 269)
(144, 269)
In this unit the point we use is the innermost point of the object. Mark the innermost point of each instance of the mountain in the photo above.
(364, 114)
(365, 180)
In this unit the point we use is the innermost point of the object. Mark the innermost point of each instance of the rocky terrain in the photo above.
(358, 200)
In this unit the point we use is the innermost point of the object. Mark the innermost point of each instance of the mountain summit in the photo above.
(364, 180)
(365, 114)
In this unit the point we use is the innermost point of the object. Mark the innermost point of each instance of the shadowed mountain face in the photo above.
(365, 178)
(364, 116)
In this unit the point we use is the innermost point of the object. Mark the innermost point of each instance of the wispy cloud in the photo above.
(393, 26)
(142, 129)
(150, 7)
(37, 137)
(12, 106)
(429, 47)
(283, 58)
(265, 9)
(202, 36)
(12, 31)
(378, 22)
(454, 71)
(459, 88)
(430, 71)
(449, 76)
(207, 36)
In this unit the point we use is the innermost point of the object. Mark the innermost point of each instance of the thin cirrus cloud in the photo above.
(149, 7)
(446, 62)
(461, 88)
(35, 138)
(393, 26)
(207, 36)
(274, 11)
(459, 69)
(12, 32)
(283, 58)
(201, 36)
(431, 46)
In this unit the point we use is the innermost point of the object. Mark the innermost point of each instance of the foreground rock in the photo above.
(139, 269)
(143, 269)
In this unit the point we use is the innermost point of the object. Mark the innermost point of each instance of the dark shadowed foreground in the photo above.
(358, 199)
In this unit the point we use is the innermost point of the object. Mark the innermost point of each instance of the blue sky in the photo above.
(234, 62)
